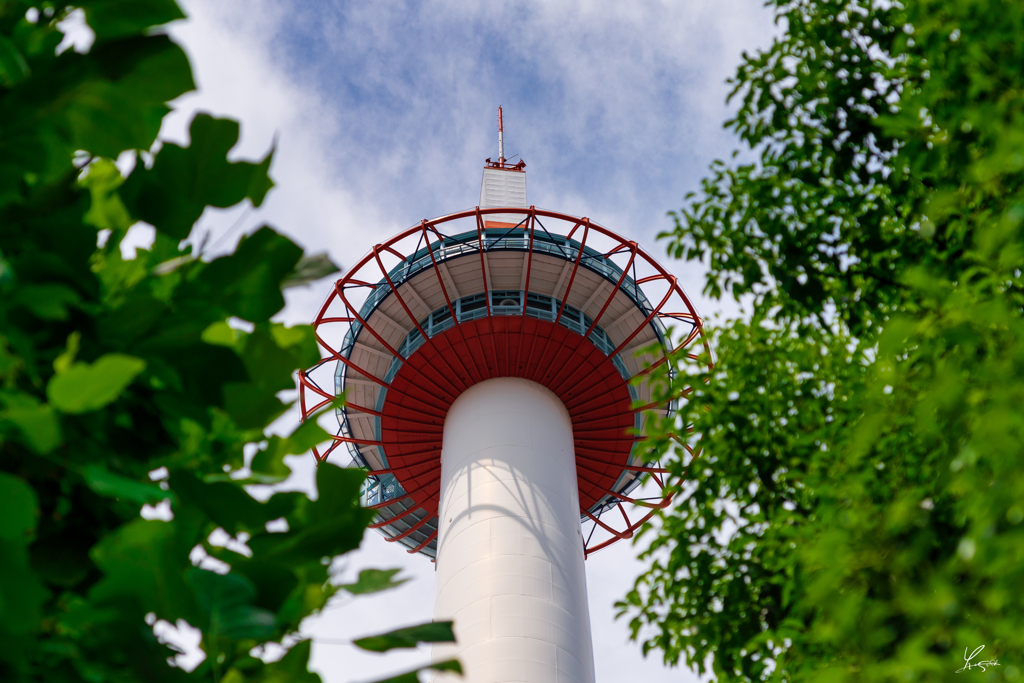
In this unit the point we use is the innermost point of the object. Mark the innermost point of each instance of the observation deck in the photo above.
(497, 366)
(470, 296)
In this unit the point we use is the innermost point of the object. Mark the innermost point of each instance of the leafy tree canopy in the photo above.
(138, 381)
(854, 510)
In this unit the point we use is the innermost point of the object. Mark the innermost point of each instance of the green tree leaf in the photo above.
(19, 510)
(226, 604)
(185, 180)
(292, 668)
(22, 595)
(106, 483)
(13, 67)
(451, 665)
(144, 562)
(38, 424)
(89, 386)
(275, 582)
(409, 637)
(120, 100)
(247, 283)
(226, 504)
(120, 18)
(373, 581)
(309, 269)
(106, 211)
(332, 525)
(48, 302)
(269, 462)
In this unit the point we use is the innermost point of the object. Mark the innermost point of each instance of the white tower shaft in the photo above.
(510, 555)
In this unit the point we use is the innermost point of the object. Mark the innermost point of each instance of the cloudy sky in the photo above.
(383, 113)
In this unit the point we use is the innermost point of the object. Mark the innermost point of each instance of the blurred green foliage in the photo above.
(855, 510)
(122, 383)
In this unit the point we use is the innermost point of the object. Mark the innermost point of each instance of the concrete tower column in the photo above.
(510, 554)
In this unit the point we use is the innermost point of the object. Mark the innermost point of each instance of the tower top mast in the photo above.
(501, 141)
(502, 162)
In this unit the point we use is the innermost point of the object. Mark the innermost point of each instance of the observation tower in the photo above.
(495, 364)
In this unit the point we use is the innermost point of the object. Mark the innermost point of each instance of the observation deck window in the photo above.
(468, 304)
(506, 303)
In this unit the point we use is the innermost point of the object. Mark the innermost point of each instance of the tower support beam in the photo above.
(510, 552)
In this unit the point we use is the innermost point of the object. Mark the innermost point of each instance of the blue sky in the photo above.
(594, 107)
(383, 113)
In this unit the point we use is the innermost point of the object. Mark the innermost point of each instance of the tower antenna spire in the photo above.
(501, 141)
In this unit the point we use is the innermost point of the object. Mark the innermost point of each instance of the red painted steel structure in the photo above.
(429, 379)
